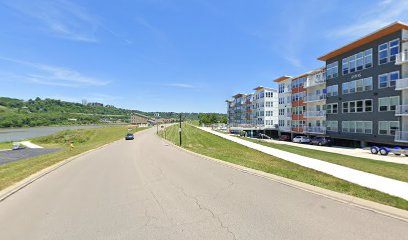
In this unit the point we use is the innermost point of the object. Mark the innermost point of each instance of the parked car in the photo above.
(322, 141)
(301, 139)
(129, 136)
(284, 138)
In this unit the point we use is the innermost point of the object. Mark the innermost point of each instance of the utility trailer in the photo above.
(398, 151)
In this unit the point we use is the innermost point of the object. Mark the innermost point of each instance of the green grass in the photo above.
(210, 145)
(5, 145)
(386, 169)
(83, 140)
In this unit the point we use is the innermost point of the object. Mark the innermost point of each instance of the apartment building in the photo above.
(315, 100)
(298, 103)
(367, 88)
(284, 104)
(254, 112)
(266, 107)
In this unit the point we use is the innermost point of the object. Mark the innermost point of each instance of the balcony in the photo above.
(314, 81)
(315, 129)
(315, 98)
(285, 128)
(402, 58)
(401, 110)
(311, 114)
(402, 83)
(401, 136)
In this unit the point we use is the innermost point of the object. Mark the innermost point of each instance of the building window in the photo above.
(360, 85)
(332, 126)
(345, 107)
(332, 70)
(332, 91)
(388, 79)
(332, 108)
(387, 51)
(368, 105)
(388, 103)
(357, 62)
(383, 53)
(364, 127)
(388, 127)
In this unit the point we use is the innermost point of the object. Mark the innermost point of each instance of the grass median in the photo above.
(210, 145)
(381, 168)
(83, 140)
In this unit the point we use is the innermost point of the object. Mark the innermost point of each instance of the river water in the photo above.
(18, 134)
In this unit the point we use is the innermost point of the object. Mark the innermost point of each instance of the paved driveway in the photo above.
(16, 155)
(146, 189)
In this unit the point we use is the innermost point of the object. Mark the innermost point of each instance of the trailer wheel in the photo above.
(374, 150)
(383, 152)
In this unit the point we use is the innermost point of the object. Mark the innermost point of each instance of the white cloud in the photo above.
(62, 18)
(51, 75)
(178, 85)
(381, 14)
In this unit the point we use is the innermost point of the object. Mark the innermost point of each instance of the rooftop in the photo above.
(396, 26)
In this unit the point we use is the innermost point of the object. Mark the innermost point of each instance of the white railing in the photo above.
(309, 114)
(318, 97)
(401, 110)
(314, 81)
(401, 136)
(315, 129)
(402, 57)
(401, 83)
(285, 128)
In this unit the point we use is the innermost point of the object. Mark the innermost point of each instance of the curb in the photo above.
(11, 190)
(336, 196)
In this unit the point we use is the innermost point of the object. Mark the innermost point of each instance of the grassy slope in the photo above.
(210, 145)
(5, 145)
(84, 140)
(386, 169)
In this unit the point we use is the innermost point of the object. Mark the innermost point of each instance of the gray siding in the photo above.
(376, 93)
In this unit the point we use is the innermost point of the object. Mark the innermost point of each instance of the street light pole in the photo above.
(180, 129)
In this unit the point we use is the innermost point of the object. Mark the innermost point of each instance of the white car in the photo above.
(301, 139)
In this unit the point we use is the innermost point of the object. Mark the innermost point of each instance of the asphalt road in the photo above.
(145, 189)
(17, 155)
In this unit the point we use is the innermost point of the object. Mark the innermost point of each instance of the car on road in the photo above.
(129, 136)
(284, 138)
(321, 141)
(301, 139)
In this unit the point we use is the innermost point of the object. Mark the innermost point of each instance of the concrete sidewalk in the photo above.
(383, 184)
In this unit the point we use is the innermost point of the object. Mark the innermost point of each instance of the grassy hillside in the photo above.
(45, 112)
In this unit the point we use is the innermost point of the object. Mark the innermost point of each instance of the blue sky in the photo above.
(172, 55)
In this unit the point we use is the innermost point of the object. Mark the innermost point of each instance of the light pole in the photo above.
(180, 130)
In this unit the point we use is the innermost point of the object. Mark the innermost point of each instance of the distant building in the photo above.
(140, 120)
(95, 104)
(84, 102)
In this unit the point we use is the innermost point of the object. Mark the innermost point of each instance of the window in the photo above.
(332, 108)
(359, 85)
(368, 84)
(388, 79)
(368, 58)
(345, 107)
(352, 86)
(359, 106)
(387, 52)
(332, 91)
(357, 62)
(344, 87)
(361, 127)
(345, 66)
(332, 126)
(394, 49)
(388, 127)
(352, 107)
(388, 103)
(383, 53)
(332, 70)
(368, 105)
